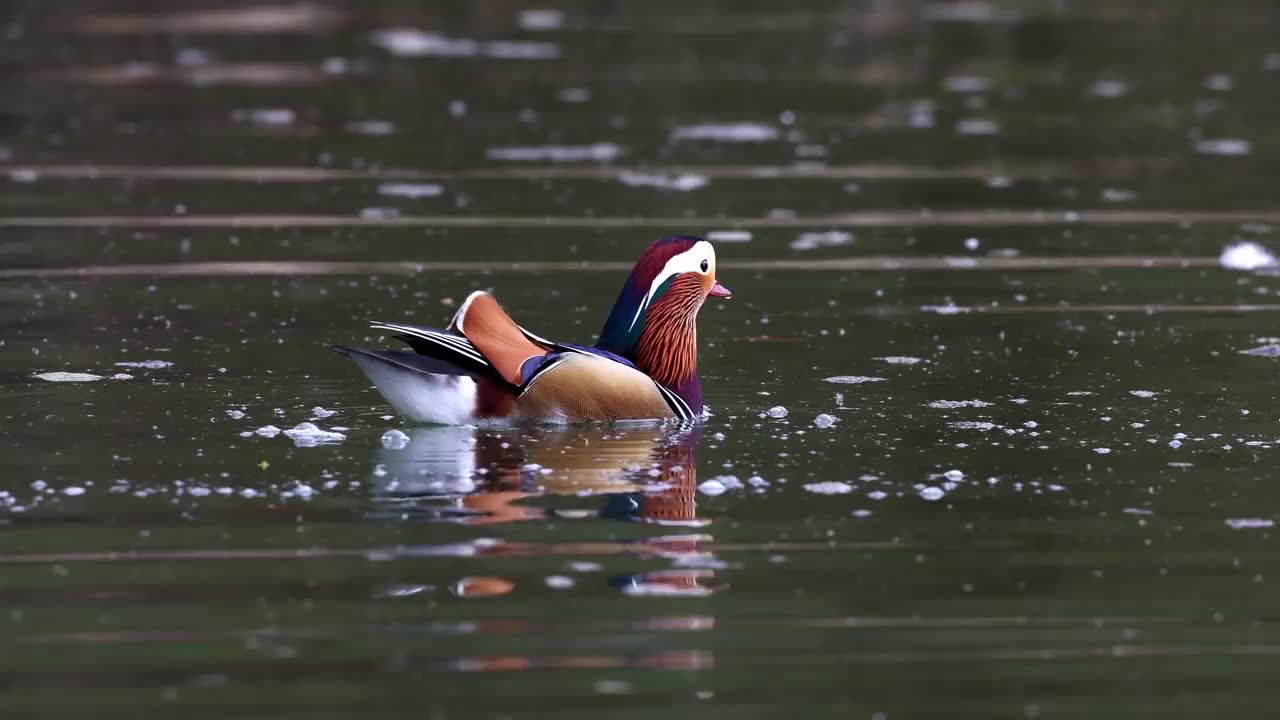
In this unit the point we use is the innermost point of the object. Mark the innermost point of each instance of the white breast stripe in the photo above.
(677, 403)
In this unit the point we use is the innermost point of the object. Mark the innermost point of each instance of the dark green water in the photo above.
(1061, 510)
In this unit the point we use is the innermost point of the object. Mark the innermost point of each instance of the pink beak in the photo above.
(719, 290)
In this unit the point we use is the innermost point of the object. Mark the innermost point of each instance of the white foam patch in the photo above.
(852, 379)
(815, 240)
(574, 95)
(595, 152)
(521, 50)
(977, 127)
(1249, 523)
(973, 425)
(712, 487)
(966, 84)
(953, 404)
(411, 191)
(372, 128)
(740, 132)
(1271, 350)
(829, 488)
(540, 19)
(1144, 394)
(1109, 89)
(900, 360)
(395, 440)
(683, 182)
(948, 309)
(309, 435)
(1226, 147)
(411, 42)
(68, 377)
(1247, 255)
(265, 117)
(729, 236)
(146, 364)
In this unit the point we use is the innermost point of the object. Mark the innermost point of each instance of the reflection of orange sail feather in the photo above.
(676, 501)
(656, 469)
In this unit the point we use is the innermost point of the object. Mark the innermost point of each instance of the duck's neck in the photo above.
(667, 350)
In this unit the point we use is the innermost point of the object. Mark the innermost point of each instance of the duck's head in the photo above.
(659, 303)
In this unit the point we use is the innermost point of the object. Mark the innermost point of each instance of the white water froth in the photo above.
(68, 377)
(729, 236)
(953, 404)
(973, 425)
(815, 240)
(932, 493)
(395, 440)
(265, 117)
(1247, 255)
(712, 487)
(900, 360)
(684, 182)
(309, 435)
(829, 488)
(948, 309)
(1109, 89)
(411, 191)
(1226, 147)
(1249, 523)
(595, 152)
(411, 42)
(740, 132)
(1271, 350)
(540, 19)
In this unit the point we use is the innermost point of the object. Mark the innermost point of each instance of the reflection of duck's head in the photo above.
(645, 472)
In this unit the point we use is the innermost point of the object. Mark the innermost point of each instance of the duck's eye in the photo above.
(704, 266)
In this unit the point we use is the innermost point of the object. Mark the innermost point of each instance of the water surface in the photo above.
(982, 237)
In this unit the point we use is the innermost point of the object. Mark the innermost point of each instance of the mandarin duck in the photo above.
(485, 369)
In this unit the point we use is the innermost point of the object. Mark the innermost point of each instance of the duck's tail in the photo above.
(427, 389)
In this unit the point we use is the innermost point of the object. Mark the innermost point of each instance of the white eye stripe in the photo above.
(688, 261)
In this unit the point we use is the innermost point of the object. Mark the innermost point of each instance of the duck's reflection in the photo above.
(477, 476)
(484, 477)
